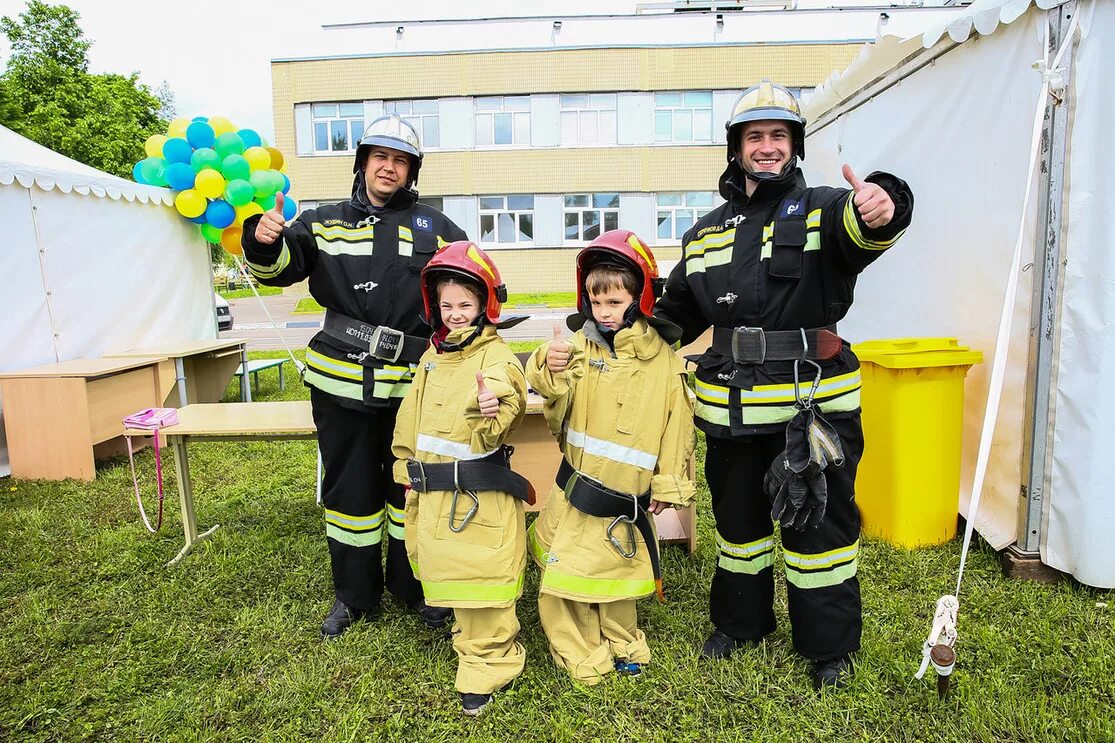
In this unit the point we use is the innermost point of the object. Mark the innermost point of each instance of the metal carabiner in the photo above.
(808, 400)
(630, 536)
(457, 490)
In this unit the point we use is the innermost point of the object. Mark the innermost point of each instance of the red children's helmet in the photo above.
(625, 249)
(466, 260)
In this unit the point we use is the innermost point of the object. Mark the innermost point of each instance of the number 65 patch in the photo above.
(422, 223)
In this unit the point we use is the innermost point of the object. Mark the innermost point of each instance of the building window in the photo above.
(585, 214)
(683, 117)
(503, 120)
(337, 126)
(588, 119)
(507, 219)
(436, 202)
(677, 212)
(423, 114)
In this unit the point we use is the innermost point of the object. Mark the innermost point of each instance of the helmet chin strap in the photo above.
(761, 176)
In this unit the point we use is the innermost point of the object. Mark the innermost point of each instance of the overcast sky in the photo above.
(215, 54)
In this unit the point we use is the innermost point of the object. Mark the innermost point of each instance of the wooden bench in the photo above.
(255, 366)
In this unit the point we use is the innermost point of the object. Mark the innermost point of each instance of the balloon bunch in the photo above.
(222, 176)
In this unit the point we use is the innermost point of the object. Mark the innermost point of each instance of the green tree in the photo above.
(48, 95)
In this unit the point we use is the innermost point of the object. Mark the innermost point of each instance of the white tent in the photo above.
(91, 264)
(953, 111)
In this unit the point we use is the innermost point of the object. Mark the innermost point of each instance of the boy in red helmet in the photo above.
(616, 398)
(465, 528)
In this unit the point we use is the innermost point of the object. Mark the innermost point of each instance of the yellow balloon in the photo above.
(230, 240)
(221, 125)
(177, 128)
(258, 158)
(276, 157)
(154, 145)
(189, 203)
(243, 212)
(210, 184)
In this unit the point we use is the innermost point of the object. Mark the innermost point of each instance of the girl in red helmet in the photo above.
(616, 398)
(465, 530)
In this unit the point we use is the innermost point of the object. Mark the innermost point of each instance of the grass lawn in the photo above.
(101, 642)
(308, 306)
(264, 291)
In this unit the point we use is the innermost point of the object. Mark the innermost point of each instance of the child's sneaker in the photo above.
(624, 668)
(473, 704)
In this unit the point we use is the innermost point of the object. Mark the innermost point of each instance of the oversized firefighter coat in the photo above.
(783, 259)
(625, 420)
(440, 421)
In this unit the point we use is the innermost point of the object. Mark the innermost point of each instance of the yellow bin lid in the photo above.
(915, 353)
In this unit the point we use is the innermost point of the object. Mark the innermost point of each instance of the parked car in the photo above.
(224, 312)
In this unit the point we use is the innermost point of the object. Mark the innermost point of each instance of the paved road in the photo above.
(251, 321)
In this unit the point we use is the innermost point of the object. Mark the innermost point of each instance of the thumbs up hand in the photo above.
(874, 205)
(489, 403)
(557, 356)
(270, 227)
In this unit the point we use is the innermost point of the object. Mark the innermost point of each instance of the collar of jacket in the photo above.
(404, 198)
(487, 335)
(638, 341)
(734, 189)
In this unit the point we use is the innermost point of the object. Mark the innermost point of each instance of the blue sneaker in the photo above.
(624, 668)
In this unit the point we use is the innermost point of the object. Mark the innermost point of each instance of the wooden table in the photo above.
(260, 421)
(195, 371)
(255, 366)
(56, 414)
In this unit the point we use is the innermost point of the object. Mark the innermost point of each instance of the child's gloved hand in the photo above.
(489, 403)
(557, 356)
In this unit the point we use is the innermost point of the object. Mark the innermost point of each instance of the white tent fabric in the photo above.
(958, 129)
(91, 264)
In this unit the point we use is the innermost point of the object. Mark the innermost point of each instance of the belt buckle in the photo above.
(416, 483)
(739, 353)
(386, 344)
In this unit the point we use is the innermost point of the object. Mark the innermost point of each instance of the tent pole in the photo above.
(1045, 304)
(42, 270)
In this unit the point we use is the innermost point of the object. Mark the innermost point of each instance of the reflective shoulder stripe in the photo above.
(406, 234)
(334, 233)
(441, 242)
(342, 241)
(350, 390)
(447, 448)
(605, 587)
(709, 251)
(336, 367)
(274, 269)
(851, 226)
(813, 221)
(457, 591)
(406, 242)
(610, 450)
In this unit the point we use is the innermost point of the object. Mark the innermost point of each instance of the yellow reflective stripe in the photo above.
(851, 226)
(541, 556)
(394, 373)
(441, 242)
(350, 390)
(753, 415)
(711, 393)
(341, 241)
(355, 523)
(748, 558)
(718, 416)
(709, 251)
(271, 271)
(820, 560)
(398, 514)
(812, 243)
(749, 566)
(762, 393)
(354, 539)
(710, 242)
(406, 234)
(438, 591)
(609, 587)
(745, 549)
(813, 221)
(396, 522)
(385, 390)
(335, 367)
(823, 579)
(333, 233)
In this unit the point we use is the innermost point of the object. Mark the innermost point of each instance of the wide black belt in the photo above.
(381, 342)
(746, 345)
(493, 472)
(594, 499)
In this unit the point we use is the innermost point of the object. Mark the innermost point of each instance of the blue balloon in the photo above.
(180, 176)
(251, 138)
(177, 150)
(286, 184)
(220, 214)
(290, 208)
(199, 134)
(200, 118)
(136, 174)
(200, 219)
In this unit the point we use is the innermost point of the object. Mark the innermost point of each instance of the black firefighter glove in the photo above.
(795, 482)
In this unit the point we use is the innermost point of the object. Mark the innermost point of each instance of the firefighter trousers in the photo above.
(363, 504)
(585, 639)
(488, 655)
(821, 584)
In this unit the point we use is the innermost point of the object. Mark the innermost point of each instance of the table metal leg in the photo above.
(186, 497)
(245, 383)
(281, 385)
(180, 370)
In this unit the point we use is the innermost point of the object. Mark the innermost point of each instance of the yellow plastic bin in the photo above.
(908, 484)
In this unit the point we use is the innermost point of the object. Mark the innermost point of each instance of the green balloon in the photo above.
(229, 143)
(153, 170)
(268, 202)
(211, 233)
(262, 184)
(239, 192)
(205, 158)
(235, 167)
(277, 179)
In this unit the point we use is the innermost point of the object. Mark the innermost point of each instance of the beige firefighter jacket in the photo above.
(440, 421)
(625, 420)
